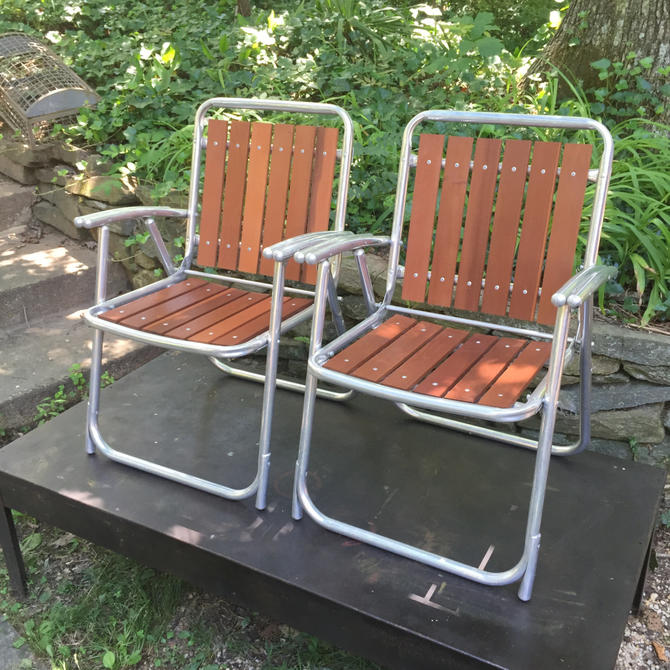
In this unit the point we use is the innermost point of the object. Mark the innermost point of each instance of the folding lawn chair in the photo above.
(262, 183)
(496, 244)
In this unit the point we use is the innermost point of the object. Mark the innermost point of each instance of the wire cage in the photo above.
(37, 90)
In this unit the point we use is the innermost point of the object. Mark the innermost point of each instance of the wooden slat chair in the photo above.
(262, 183)
(492, 236)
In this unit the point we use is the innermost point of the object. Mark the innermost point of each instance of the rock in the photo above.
(600, 365)
(626, 345)
(615, 396)
(17, 172)
(144, 261)
(22, 154)
(611, 448)
(112, 190)
(353, 308)
(66, 153)
(657, 374)
(144, 278)
(57, 175)
(48, 213)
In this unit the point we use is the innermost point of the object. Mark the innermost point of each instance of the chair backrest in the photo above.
(264, 182)
(494, 223)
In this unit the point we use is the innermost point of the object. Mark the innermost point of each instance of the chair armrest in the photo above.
(580, 286)
(284, 250)
(326, 248)
(122, 213)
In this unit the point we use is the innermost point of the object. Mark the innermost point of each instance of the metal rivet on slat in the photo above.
(434, 383)
(121, 311)
(143, 318)
(485, 167)
(537, 348)
(248, 248)
(375, 369)
(346, 360)
(207, 290)
(572, 174)
(325, 153)
(457, 165)
(281, 148)
(500, 395)
(416, 274)
(216, 144)
(469, 283)
(442, 279)
(423, 330)
(207, 242)
(188, 330)
(234, 337)
(543, 171)
(450, 336)
(211, 332)
(404, 376)
(258, 147)
(188, 283)
(477, 341)
(514, 169)
(428, 162)
(507, 346)
(467, 390)
(496, 287)
(227, 246)
(249, 298)
(525, 291)
(237, 146)
(166, 323)
(302, 151)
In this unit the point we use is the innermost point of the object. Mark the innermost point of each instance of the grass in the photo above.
(90, 608)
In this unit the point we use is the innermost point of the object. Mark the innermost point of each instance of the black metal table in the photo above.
(371, 465)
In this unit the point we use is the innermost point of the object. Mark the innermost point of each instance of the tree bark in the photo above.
(595, 29)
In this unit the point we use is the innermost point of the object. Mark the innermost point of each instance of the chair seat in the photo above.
(202, 311)
(424, 357)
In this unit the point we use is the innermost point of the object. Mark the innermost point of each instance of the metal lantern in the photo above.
(37, 89)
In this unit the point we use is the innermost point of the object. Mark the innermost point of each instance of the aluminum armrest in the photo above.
(284, 250)
(122, 213)
(580, 286)
(322, 250)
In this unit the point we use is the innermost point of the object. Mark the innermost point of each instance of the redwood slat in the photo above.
(477, 224)
(299, 189)
(321, 199)
(162, 326)
(438, 382)
(275, 209)
(232, 322)
(261, 323)
(215, 170)
(450, 220)
(254, 199)
(147, 301)
(411, 372)
(396, 353)
(530, 258)
(233, 194)
(565, 225)
(194, 326)
(508, 387)
(480, 376)
(367, 346)
(422, 218)
(511, 187)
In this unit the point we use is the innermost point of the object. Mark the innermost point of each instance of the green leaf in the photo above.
(31, 542)
(19, 642)
(108, 659)
(601, 64)
(489, 46)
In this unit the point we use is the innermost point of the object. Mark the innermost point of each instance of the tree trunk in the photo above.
(596, 29)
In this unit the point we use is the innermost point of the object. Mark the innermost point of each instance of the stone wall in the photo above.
(631, 367)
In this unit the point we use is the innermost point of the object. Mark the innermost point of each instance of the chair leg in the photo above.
(94, 388)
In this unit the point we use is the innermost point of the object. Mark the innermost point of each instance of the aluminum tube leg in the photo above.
(543, 456)
(585, 376)
(270, 386)
(366, 282)
(310, 388)
(334, 303)
(95, 379)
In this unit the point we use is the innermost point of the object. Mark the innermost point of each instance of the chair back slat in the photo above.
(532, 245)
(506, 220)
(299, 189)
(254, 200)
(215, 171)
(450, 219)
(322, 189)
(233, 194)
(563, 239)
(422, 219)
(275, 210)
(477, 222)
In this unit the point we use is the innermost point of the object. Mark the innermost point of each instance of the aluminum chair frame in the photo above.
(575, 294)
(216, 353)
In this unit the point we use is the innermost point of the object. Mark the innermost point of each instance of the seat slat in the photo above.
(450, 220)
(411, 372)
(389, 358)
(261, 323)
(480, 376)
(506, 221)
(508, 387)
(275, 210)
(145, 317)
(530, 258)
(299, 189)
(477, 223)
(367, 346)
(438, 382)
(152, 299)
(208, 319)
(422, 218)
(231, 323)
(215, 170)
(254, 198)
(567, 213)
(162, 326)
(322, 189)
(233, 194)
